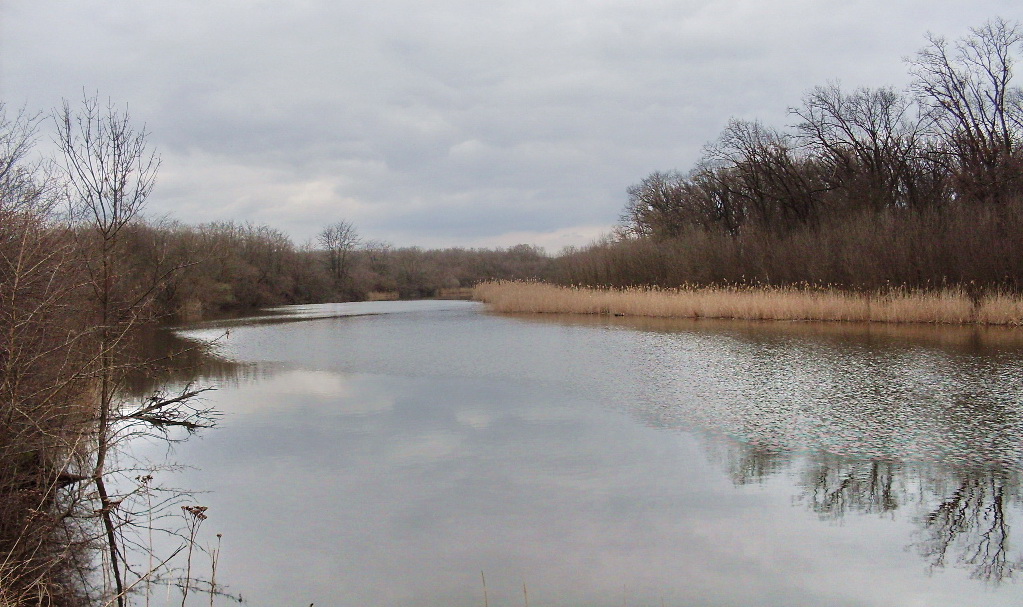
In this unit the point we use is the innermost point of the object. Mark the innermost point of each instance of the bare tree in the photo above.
(873, 141)
(656, 206)
(110, 172)
(967, 85)
(339, 240)
(775, 185)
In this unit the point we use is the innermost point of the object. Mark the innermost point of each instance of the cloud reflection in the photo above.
(530, 463)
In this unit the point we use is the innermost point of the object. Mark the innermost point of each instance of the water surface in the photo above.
(388, 453)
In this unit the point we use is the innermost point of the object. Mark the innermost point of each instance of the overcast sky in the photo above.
(447, 122)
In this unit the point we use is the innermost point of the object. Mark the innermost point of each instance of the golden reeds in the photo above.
(901, 305)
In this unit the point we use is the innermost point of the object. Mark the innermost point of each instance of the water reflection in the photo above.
(971, 524)
(963, 514)
(869, 418)
(424, 444)
(172, 359)
(750, 464)
(834, 487)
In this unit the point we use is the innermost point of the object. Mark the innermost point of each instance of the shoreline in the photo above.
(950, 306)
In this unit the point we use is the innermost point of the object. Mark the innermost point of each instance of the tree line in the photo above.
(868, 187)
(190, 271)
(221, 267)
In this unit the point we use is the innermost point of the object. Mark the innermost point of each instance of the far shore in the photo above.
(953, 306)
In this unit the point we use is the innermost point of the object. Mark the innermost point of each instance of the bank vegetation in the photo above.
(874, 204)
(946, 306)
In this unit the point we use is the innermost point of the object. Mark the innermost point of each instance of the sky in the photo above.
(450, 122)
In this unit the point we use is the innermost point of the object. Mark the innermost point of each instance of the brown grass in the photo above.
(456, 293)
(948, 306)
(382, 296)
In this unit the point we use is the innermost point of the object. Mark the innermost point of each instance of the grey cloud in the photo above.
(519, 110)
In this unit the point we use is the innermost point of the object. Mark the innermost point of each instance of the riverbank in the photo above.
(947, 306)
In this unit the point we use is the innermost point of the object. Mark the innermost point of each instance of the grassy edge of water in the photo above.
(897, 305)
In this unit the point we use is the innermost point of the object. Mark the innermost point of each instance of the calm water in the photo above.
(387, 453)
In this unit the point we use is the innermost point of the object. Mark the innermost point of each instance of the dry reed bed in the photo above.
(948, 306)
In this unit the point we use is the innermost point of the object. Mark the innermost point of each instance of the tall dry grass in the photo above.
(898, 305)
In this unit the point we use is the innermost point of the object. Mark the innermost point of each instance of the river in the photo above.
(433, 454)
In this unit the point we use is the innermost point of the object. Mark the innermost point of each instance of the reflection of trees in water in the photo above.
(970, 522)
(933, 434)
(176, 360)
(751, 464)
(833, 487)
(962, 513)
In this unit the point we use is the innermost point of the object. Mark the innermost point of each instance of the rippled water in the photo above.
(388, 453)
